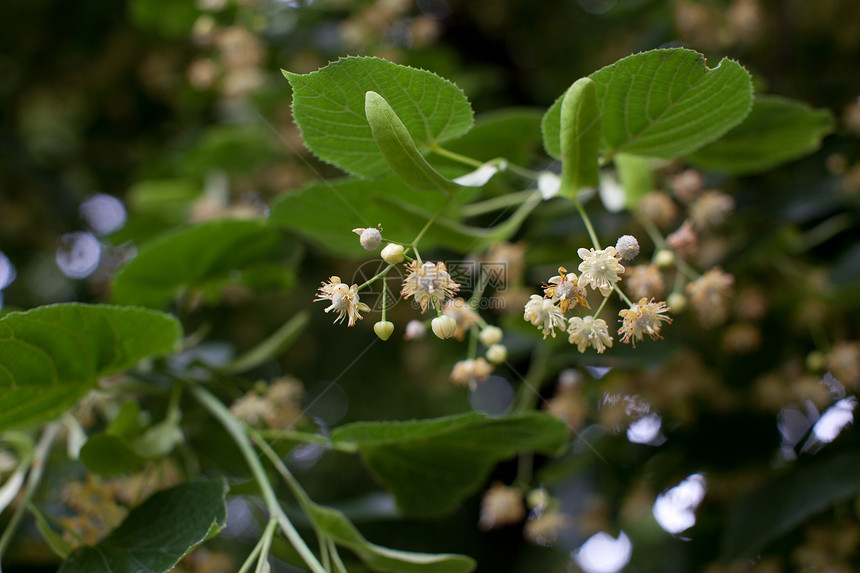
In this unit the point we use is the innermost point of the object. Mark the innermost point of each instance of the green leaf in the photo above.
(636, 177)
(108, 454)
(51, 356)
(157, 533)
(777, 130)
(790, 499)
(662, 103)
(202, 257)
(329, 108)
(580, 138)
(336, 525)
(327, 212)
(399, 149)
(431, 465)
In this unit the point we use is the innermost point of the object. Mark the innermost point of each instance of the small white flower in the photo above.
(544, 313)
(589, 331)
(491, 335)
(344, 300)
(600, 269)
(429, 283)
(643, 318)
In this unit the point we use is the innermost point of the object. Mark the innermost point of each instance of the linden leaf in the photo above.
(329, 108)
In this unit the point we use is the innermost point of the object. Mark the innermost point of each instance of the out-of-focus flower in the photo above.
(500, 506)
(687, 184)
(710, 208)
(645, 281)
(470, 372)
(684, 240)
(709, 295)
(843, 361)
(459, 310)
(658, 207)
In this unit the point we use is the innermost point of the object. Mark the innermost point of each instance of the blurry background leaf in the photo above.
(51, 356)
(157, 533)
(635, 176)
(786, 501)
(777, 130)
(432, 465)
(202, 257)
(328, 106)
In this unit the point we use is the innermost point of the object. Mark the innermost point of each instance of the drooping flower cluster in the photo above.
(589, 331)
(545, 314)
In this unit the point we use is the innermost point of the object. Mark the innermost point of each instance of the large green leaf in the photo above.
(777, 130)
(329, 108)
(52, 355)
(780, 505)
(327, 212)
(202, 257)
(158, 533)
(512, 133)
(431, 465)
(336, 525)
(662, 103)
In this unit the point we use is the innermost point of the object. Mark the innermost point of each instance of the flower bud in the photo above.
(627, 246)
(369, 238)
(383, 329)
(392, 253)
(415, 329)
(444, 326)
(664, 258)
(677, 301)
(490, 335)
(497, 353)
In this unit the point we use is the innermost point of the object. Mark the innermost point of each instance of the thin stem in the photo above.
(37, 468)
(496, 203)
(306, 437)
(384, 297)
(255, 552)
(238, 432)
(427, 225)
(373, 279)
(622, 295)
(268, 534)
(435, 148)
(338, 564)
(587, 221)
(599, 308)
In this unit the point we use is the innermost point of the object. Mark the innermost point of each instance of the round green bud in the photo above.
(497, 353)
(490, 335)
(664, 258)
(444, 326)
(677, 302)
(392, 253)
(383, 329)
